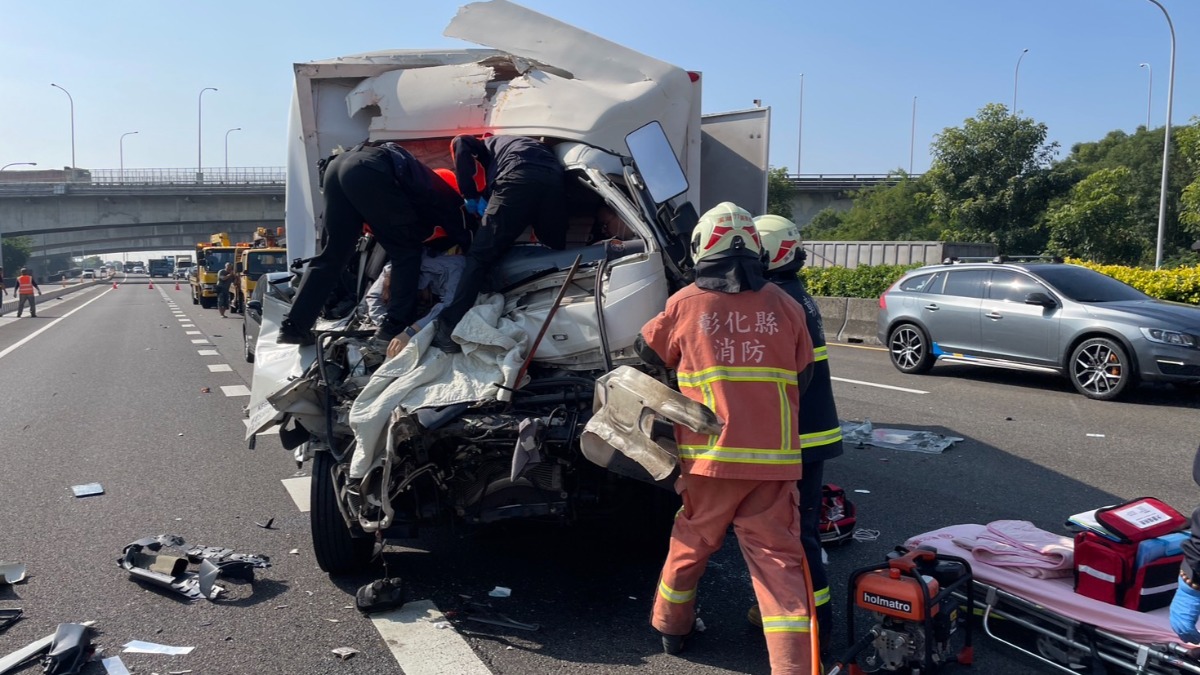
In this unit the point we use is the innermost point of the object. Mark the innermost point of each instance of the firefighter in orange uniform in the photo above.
(740, 346)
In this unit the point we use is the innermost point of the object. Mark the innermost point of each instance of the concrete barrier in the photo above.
(861, 318)
(833, 315)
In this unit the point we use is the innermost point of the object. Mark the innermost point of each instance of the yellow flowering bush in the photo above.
(1181, 284)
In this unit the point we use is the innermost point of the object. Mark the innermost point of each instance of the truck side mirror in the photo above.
(656, 162)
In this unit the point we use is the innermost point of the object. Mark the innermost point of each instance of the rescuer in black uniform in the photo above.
(524, 188)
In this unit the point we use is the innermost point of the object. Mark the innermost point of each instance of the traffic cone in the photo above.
(177, 286)
(151, 285)
(114, 285)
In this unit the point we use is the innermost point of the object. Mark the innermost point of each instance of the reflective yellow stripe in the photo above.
(785, 624)
(785, 419)
(739, 455)
(820, 353)
(821, 596)
(816, 438)
(731, 374)
(673, 596)
(711, 404)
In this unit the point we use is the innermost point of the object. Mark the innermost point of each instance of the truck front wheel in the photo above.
(337, 550)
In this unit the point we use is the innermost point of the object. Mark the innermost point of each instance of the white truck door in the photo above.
(733, 159)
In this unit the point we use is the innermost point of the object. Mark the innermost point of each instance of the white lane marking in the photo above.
(849, 346)
(236, 390)
(299, 490)
(50, 325)
(187, 325)
(880, 386)
(220, 368)
(200, 341)
(420, 647)
(208, 352)
(183, 318)
(192, 332)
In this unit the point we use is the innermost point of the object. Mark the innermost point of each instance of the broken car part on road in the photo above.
(9, 617)
(144, 560)
(30, 651)
(69, 650)
(926, 442)
(12, 573)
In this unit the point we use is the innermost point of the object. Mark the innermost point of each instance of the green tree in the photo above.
(1099, 221)
(893, 211)
(16, 251)
(780, 192)
(1187, 146)
(991, 179)
(824, 225)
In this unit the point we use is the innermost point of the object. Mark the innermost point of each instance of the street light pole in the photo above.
(72, 121)
(17, 164)
(912, 141)
(1016, 76)
(122, 144)
(200, 134)
(800, 134)
(1162, 195)
(226, 176)
(1149, 92)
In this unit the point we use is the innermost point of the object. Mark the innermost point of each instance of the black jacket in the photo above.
(500, 157)
(820, 428)
(1191, 547)
(434, 200)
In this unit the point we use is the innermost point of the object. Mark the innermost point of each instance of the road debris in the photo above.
(266, 525)
(863, 492)
(699, 626)
(69, 650)
(344, 653)
(864, 434)
(140, 647)
(113, 665)
(205, 390)
(294, 551)
(29, 651)
(9, 617)
(334, 620)
(500, 592)
(87, 490)
(1095, 435)
(12, 573)
(484, 613)
(144, 560)
(380, 596)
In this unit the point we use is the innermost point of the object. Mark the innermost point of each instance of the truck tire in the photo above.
(338, 552)
(208, 303)
(195, 301)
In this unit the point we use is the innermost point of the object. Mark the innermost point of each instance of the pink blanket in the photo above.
(1056, 595)
(1023, 547)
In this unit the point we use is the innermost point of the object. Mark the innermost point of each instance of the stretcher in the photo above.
(1074, 634)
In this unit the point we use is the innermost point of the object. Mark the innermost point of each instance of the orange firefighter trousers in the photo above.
(766, 518)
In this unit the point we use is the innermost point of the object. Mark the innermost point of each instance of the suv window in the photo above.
(1083, 285)
(1010, 286)
(965, 283)
(922, 283)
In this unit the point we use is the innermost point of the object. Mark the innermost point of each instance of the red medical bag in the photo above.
(1106, 562)
(838, 515)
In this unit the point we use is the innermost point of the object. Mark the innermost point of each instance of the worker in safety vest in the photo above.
(25, 287)
(820, 428)
(741, 347)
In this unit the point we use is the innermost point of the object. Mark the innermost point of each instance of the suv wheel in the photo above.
(249, 352)
(909, 349)
(337, 549)
(1100, 369)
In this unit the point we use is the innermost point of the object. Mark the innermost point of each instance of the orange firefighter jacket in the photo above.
(746, 356)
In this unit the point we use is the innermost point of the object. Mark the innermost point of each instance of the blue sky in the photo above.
(139, 65)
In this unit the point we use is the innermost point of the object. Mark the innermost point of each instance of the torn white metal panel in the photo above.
(604, 91)
(275, 366)
(734, 159)
(424, 102)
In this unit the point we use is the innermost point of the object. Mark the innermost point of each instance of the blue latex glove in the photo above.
(1185, 612)
(476, 206)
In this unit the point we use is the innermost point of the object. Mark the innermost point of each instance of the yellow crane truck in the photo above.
(264, 255)
(210, 259)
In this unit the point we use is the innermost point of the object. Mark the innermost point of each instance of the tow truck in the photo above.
(211, 258)
(266, 253)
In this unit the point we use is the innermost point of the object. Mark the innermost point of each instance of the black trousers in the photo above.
(810, 537)
(360, 187)
(531, 198)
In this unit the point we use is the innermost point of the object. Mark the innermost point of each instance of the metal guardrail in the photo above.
(208, 177)
(824, 182)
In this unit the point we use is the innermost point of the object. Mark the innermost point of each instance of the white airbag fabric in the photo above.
(421, 376)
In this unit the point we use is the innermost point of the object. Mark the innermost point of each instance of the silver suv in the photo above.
(1044, 316)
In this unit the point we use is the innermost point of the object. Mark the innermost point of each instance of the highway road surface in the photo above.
(141, 391)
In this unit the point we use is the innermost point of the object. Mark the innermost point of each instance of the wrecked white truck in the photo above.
(492, 433)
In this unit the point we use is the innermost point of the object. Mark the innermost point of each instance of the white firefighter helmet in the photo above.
(780, 238)
(725, 229)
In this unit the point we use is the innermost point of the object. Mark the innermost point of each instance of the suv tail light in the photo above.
(883, 295)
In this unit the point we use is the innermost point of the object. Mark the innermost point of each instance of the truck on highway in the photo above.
(211, 258)
(183, 265)
(263, 256)
(161, 267)
(639, 161)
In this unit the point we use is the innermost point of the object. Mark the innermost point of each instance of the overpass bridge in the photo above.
(108, 211)
(96, 212)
